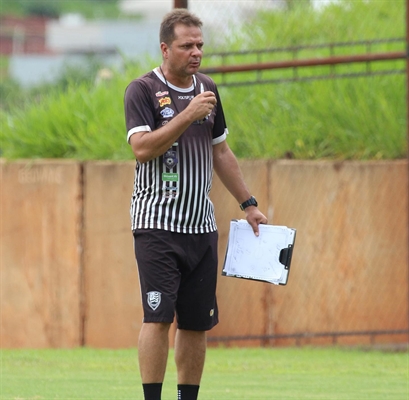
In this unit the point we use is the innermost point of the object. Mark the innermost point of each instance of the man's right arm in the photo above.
(149, 145)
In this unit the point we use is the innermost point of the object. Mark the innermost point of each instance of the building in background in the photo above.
(22, 35)
(40, 49)
(216, 15)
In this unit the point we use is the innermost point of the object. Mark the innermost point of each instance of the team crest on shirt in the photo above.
(170, 159)
(165, 101)
(154, 299)
(160, 94)
(167, 112)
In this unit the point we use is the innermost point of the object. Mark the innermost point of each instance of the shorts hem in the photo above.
(200, 329)
(157, 320)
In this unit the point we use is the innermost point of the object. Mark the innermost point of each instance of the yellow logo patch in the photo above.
(165, 101)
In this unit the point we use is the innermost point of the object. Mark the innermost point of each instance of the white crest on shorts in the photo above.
(154, 299)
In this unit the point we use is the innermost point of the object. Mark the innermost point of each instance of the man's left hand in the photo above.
(255, 217)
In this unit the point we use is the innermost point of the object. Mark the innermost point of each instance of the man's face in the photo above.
(184, 55)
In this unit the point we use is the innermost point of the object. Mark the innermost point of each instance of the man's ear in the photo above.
(164, 49)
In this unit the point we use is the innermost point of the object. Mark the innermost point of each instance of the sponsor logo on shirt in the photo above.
(164, 101)
(170, 177)
(167, 112)
(185, 97)
(170, 192)
(160, 94)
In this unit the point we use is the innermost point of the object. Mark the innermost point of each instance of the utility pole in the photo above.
(180, 4)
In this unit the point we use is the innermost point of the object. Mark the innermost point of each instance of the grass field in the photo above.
(230, 373)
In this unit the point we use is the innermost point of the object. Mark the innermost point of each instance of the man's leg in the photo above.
(190, 352)
(153, 348)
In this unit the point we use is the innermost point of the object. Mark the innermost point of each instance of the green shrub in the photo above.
(360, 118)
(348, 118)
(47, 8)
(41, 9)
(84, 122)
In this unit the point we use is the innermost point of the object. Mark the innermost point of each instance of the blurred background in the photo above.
(314, 93)
(44, 35)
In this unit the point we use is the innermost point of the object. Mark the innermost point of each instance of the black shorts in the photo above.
(178, 274)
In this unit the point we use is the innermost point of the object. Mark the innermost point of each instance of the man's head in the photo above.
(181, 46)
(178, 16)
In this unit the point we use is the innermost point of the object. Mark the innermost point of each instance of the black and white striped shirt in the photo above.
(171, 192)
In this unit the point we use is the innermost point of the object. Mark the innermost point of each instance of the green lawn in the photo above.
(283, 373)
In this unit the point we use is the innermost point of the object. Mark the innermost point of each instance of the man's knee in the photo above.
(156, 327)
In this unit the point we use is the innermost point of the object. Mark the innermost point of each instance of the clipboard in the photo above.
(265, 258)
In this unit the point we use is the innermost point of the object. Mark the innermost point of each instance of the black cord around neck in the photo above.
(167, 84)
(170, 92)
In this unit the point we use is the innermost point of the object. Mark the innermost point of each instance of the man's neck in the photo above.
(182, 82)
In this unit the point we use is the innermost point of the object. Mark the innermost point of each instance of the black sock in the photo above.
(152, 391)
(188, 392)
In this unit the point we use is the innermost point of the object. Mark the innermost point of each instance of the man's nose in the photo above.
(197, 51)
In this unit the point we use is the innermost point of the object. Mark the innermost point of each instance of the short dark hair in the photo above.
(173, 18)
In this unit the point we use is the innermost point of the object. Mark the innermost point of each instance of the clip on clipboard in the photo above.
(264, 258)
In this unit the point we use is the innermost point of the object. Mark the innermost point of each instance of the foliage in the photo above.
(47, 8)
(13, 96)
(234, 373)
(81, 122)
(360, 118)
(345, 20)
(41, 9)
(348, 118)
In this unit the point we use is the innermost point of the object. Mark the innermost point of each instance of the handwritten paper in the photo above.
(252, 257)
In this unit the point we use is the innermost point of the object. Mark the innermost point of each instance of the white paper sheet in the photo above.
(252, 257)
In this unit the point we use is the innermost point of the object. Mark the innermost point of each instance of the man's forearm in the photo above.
(149, 145)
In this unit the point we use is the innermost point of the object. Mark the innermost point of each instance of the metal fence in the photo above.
(297, 69)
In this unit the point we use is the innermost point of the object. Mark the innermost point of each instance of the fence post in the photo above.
(180, 4)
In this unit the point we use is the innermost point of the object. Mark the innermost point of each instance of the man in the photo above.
(177, 131)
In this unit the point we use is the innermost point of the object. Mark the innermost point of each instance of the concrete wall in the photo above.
(350, 265)
(69, 278)
(40, 254)
(113, 315)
